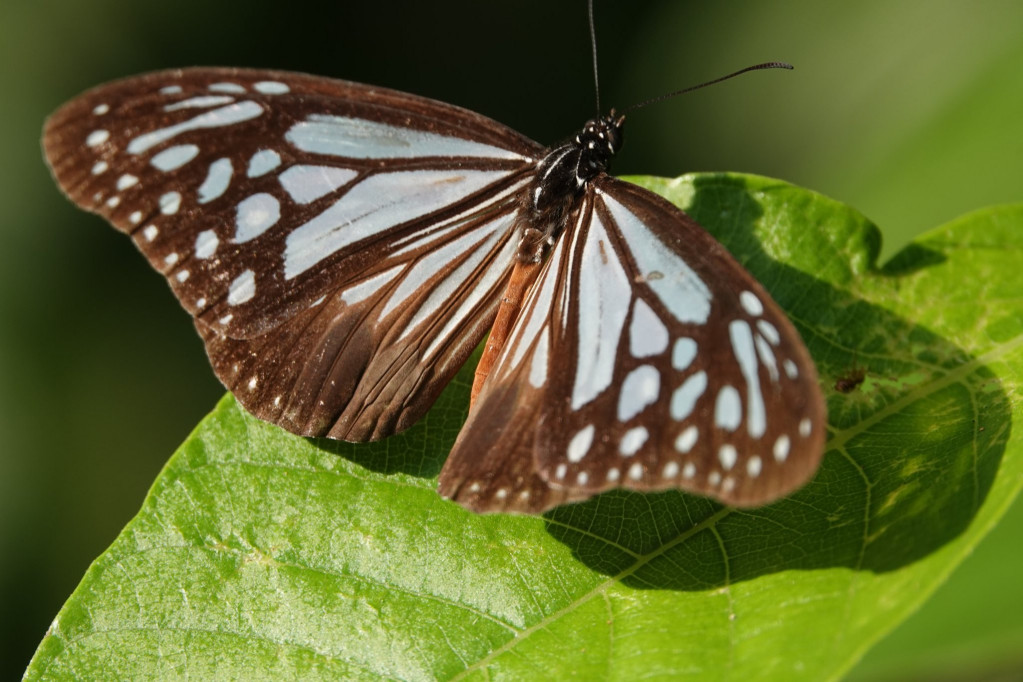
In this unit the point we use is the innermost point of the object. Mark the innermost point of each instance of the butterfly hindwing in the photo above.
(301, 219)
(659, 362)
(492, 466)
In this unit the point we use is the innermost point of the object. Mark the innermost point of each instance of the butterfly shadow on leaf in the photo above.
(911, 453)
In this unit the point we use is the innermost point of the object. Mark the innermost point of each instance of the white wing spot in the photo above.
(685, 396)
(360, 138)
(582, 478)
(101, 109)
(206, 244)
(174, 157)
(201, 102)
(170, 203)
(580, 444)
(714, 478)
(171, 90)
(538, 364)
(560, 472)
(253, 382)
(670, 470)
(687, 439)
(689, 470)
(741, 336)
(224, 116)
(791, 371)
(150, 232)
(262, 162)
(805, 427)
(636, 471)
(256, 215)
(242, 289)
(135, 217)
(766, 357)
(501, 493)
(271, 88)
(97, 137)
(613, 474)
(226, 87)
(113, 202)
(100, 167)
(170, 258)
(603, 305)
(647, 334)
(125, 181)
(754, 466)
(224, 320)
(727, 455)
(751, 304)
(361, 291)
(639, 390)
(683, 293)
(728, 485)
(633, 440)
(683, 354)
(201, 303)
(182, 275)
(728, 409)
(306, 184)
(769, 331)
(217, 180)
(781, 448)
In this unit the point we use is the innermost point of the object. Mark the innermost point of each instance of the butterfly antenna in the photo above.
(593, 44)
(755, 67)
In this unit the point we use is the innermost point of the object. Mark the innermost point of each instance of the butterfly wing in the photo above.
(341, 247)
(492, 467)
(647, 358)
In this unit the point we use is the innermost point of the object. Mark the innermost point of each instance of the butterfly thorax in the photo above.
(561, 178)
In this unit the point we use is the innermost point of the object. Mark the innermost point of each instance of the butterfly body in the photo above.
(561, 178)
(343, 248)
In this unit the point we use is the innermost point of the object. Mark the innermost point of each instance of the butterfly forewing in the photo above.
(648, 359)
(302, 220)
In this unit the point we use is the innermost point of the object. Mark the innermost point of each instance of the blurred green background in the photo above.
(911, 111)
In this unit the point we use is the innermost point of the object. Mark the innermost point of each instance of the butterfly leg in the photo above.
(522, 278)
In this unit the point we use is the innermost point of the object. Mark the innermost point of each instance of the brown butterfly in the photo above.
(343, 248)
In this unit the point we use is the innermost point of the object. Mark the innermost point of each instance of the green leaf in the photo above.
(261, 555)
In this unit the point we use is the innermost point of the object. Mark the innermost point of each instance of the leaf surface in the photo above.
(261, 555)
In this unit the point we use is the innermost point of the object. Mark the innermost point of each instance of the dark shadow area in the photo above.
(879, 501)
(415, 452)
(422, 449)
(912, 259)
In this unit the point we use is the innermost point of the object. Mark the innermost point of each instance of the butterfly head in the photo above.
(600, 139)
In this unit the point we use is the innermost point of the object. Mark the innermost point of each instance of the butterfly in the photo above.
(343, 249)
